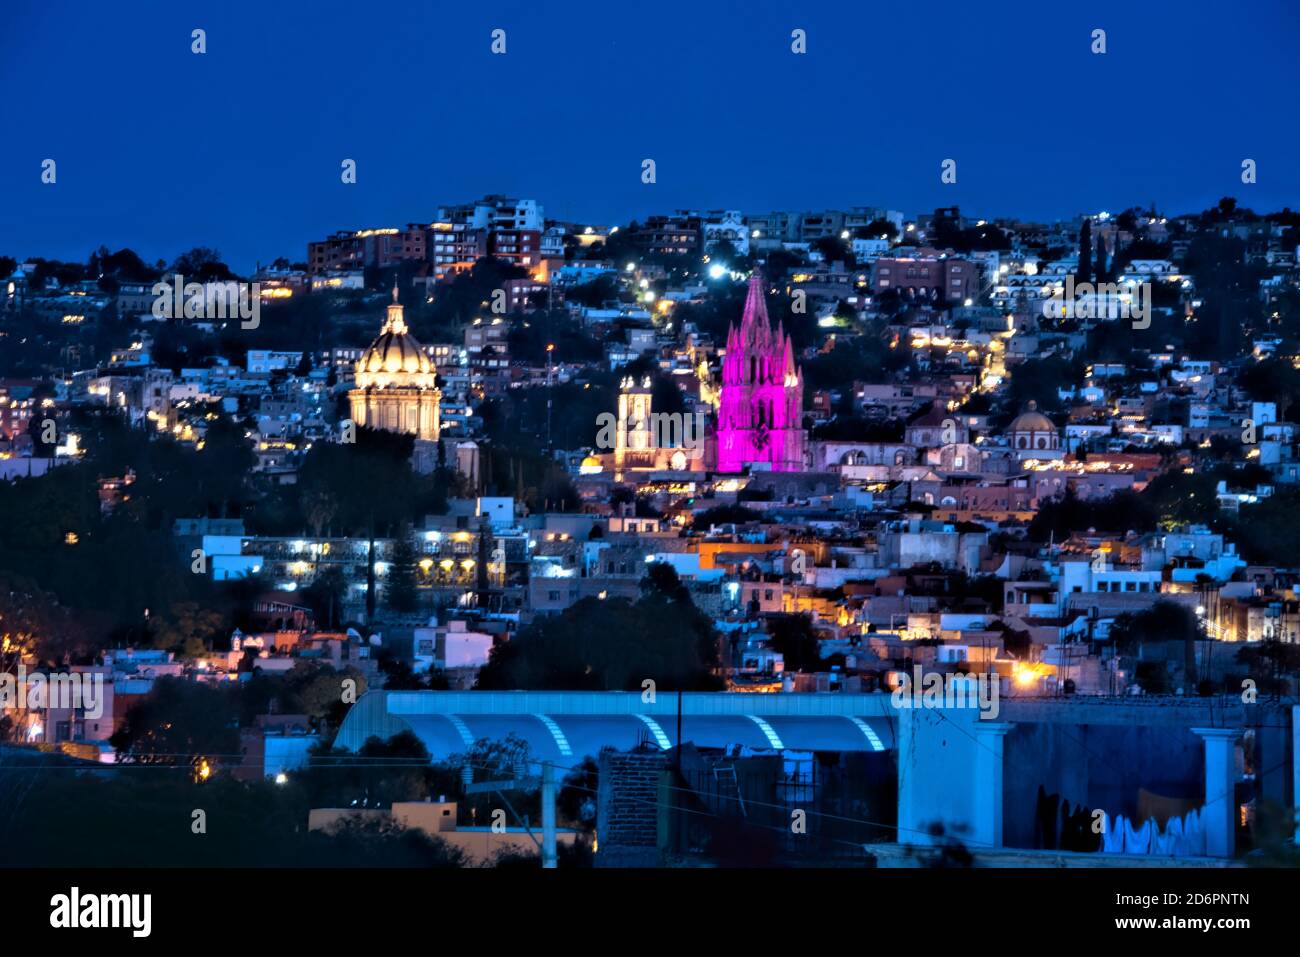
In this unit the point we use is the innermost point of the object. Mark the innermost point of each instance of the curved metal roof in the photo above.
(566, 737)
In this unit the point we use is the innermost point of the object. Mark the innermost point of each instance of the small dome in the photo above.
(1031, 420)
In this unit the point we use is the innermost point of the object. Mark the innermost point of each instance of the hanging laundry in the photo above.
(1177, 839)
(1112, 838)
(1162, 842)
(1194, 834)
(1137, 840)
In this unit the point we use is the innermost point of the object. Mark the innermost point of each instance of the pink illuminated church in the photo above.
(760, 415)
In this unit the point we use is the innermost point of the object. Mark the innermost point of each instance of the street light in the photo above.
(550, 393)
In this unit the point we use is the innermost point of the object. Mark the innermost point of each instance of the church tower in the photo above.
(760, 415)
(634, 442)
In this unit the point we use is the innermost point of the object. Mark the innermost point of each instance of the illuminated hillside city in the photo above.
(766, 504)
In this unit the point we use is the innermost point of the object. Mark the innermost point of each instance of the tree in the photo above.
(319, 505)
(834, 249)
(226, 459)
(188, 626)
(180, 723)
(402, 591)
(612, 644)
(596, 293)
(1164, 623)
(325, 595)
(1084, 272)
(1229, 289)
(318, 691)
(792, 636)
(724, 515)
(33, 624)
(1102, 269)
(1272, 381)
(1273, 664)
(1267, 532)
(1039, 381)
(355, 842)
(877, 229)
(201, 264)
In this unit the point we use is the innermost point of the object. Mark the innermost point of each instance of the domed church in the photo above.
(1033, 431)
(396, 388)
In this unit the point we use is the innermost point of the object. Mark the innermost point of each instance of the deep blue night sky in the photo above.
(160, 150)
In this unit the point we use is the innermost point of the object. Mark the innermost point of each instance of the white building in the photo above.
(726, 226)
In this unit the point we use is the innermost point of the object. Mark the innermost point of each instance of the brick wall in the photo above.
(628, 808)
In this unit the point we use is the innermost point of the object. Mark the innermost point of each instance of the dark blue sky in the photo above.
(161, 150)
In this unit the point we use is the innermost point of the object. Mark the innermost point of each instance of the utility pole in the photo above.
(548, 815)
(675, 798)
(525, 783)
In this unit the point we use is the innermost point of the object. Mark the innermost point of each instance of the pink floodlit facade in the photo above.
(760, 416)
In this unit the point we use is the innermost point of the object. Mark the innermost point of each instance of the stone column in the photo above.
(986, 829)
(1219, 816)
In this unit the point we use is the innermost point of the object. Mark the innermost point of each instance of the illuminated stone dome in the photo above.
(394, 350)
(1031, 420)
(396, 386)
(1033, 431)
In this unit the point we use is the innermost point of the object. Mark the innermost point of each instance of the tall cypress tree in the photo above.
(402, 593)
(1085, 252)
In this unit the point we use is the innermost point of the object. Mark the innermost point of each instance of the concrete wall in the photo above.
(480, 845)
(1100, 766)
(936, 775)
